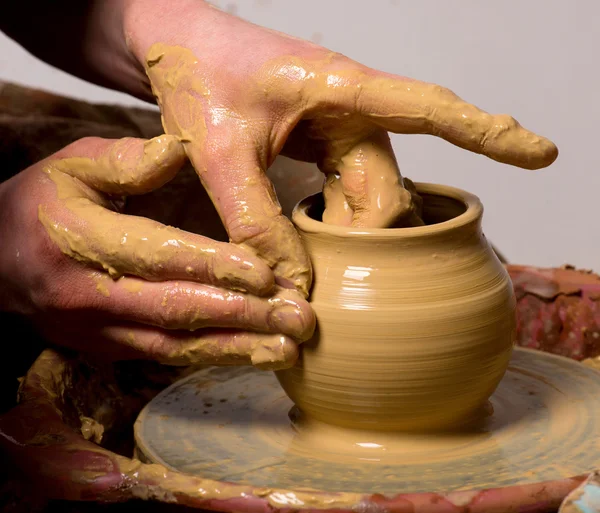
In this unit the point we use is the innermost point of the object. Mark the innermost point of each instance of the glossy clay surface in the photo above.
(231, 424)
(415, 325)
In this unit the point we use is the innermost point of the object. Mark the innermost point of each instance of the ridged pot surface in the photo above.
(415, 325)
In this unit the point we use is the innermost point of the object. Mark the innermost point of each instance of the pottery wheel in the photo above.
(232, 424)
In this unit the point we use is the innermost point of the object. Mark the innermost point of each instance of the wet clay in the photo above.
(364, 187)
(415, 325)
(182, 487)
(123, 171)
(91, 429)
(86, 225)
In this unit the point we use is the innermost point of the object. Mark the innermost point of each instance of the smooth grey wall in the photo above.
(534, 59)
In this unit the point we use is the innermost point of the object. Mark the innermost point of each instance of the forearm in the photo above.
(220, 41)
(106, 41)
(82, 37)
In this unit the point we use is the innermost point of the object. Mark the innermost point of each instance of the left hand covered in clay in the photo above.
(97, 280)
(237, 95)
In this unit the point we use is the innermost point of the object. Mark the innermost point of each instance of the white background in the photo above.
(534, 59)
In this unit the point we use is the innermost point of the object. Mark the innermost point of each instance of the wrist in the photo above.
(11, 300)
(172, 22)
(87, 40)
(109, 53)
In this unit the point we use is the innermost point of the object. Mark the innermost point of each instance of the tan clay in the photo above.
(415, 325)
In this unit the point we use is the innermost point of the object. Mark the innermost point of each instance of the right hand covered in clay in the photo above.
(123, 286)
(237, 95)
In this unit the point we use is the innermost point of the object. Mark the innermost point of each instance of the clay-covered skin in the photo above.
(415, 325)
(249, 208)
(367, 179)
(125, 286)
(318, 106)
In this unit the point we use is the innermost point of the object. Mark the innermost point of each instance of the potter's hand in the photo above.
(237, 95)
(103, 282)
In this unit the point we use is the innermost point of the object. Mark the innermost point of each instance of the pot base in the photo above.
(233, 424)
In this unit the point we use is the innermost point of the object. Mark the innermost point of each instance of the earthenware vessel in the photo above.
(415, 325)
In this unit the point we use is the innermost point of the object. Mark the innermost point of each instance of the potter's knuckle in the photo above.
(244, 229)
(245, 313)
(505, 122)
(359, 103)
(429, 114)
(177, 309)
(225, 265)
(154, 346)
(338, 61)
(280, 88)
(498, 125)
(163, 312)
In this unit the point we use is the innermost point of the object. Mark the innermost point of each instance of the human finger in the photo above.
(370, 182)
(413, 107)
(405, 106)
(337, 211)
(252, 215)
(125, 166)
(207, 347)
(132, 341)
(83, 226)
(192, 306)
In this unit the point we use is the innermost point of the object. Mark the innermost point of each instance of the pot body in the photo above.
(415, 326)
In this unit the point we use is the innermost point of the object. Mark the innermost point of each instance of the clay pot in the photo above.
(415, 325)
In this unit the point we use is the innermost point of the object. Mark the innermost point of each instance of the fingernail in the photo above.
(274, 353)
(292, 316)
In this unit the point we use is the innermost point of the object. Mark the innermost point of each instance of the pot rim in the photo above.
(473, 213)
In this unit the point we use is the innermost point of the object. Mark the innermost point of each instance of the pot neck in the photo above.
(451, 215)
